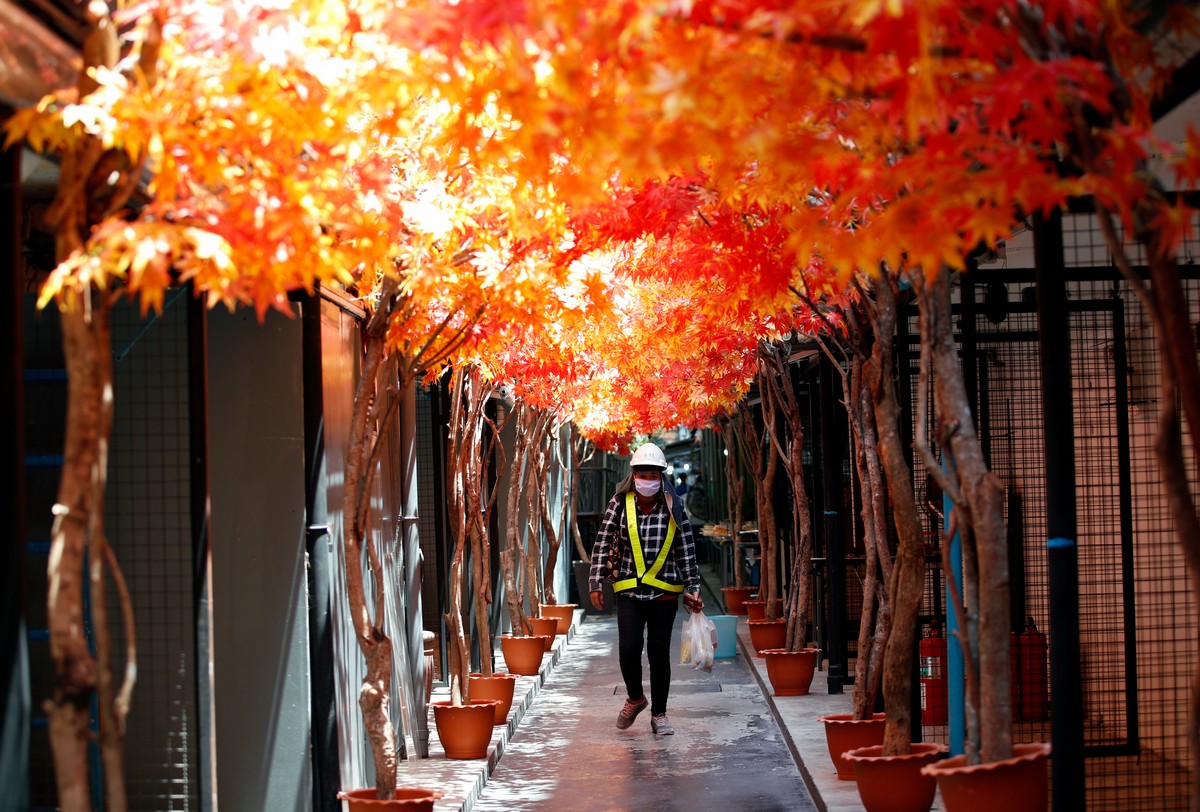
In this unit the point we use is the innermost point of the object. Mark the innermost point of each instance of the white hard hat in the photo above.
(648, 455)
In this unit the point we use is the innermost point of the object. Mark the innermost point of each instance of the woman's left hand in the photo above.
(693, 602)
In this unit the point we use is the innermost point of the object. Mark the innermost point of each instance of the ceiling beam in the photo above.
(34, 61)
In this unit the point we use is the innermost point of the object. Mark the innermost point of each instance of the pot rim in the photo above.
(496, 675)
(426, 792)
(848, 719)
(1023, 752)
(785, 651)
(927, 749)
(446, 703)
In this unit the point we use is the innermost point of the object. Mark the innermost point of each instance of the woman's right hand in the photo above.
(598, 600)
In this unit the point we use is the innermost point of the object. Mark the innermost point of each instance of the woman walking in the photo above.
(646, 547)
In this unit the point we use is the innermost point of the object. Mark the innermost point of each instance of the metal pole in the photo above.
(318, 543)
(832, 442)
(14, 659)
(1054, 348)
(413, 570)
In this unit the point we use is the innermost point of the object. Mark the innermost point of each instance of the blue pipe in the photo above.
(956, 686)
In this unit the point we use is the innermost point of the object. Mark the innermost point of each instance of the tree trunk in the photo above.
(875, 620)
(736, 485)
(782, 397)
(512, 558)
(553, 537)
(84, 341)
(908, 575)
(761, 459)
(459, 439)
(764, 467)
(372, 639)
(982, 513)
(510, 569)
(460, 654)
(582, 451)
(768, 536)
(535, 486)
(481, 564)
(111, 716)
(863, 698)
(1181, 379)
(467, 465)
(82, 199)
(1166, 303)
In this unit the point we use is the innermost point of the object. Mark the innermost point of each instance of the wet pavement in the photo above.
(727, 751)
(736, 746)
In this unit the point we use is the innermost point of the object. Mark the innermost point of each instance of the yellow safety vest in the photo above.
(644, 576)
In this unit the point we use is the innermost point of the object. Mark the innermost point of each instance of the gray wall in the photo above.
(260, 631)
(147, 516)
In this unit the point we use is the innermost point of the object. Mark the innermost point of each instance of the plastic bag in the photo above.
(698, 642)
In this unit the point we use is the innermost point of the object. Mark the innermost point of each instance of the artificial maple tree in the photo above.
(761, 458)
(775, 377)
(582, 452)
(476, 463)
(906, 580)
(847, 344)
(677, 289)
(930, 127)
(323, 173)
(520, 558)
(919, 132)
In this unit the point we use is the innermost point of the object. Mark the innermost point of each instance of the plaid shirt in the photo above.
(679, 568)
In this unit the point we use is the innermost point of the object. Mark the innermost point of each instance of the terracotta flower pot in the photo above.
(791, 672)
(736, 597)
(408, 799)
(843, 732)
(757, 610)
(564, 613)
(765, 634)
(895, 783)
(523, 654)
(1019, 782)
(545, 627)
(465, 730)
(498, 687)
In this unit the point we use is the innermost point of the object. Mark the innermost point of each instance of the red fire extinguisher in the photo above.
(1032, 684)
(932, 652)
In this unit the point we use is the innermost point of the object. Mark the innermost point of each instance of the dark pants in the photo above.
(649, 622)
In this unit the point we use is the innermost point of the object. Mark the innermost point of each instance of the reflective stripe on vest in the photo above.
(644, 576)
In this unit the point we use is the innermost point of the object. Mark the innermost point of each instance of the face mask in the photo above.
(647, 487)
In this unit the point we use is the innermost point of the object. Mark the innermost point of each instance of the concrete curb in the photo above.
(797, 717)
(462, 780)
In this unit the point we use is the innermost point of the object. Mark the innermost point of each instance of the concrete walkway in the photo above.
(727, 752)
(735, 747)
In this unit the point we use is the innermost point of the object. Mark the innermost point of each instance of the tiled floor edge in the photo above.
(497, 750)
(759, 669)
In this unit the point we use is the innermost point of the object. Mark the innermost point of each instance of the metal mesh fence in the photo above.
(147, 523)
(1137, 611)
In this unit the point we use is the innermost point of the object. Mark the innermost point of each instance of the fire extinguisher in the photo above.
(1032, 685)
(934, 703)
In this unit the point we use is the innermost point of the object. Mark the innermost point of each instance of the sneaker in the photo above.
(630, 712)
(661, 725)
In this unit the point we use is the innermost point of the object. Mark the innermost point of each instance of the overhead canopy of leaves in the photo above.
(614, 202)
